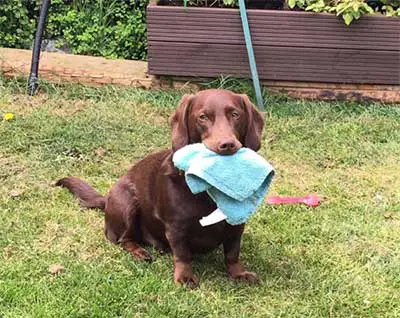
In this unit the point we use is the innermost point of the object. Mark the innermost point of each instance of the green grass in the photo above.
(341, 259)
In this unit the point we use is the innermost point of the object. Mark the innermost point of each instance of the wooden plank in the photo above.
(266, 54)
(378, 67)
(275, 26)
(269, 28)
(274, 37)
(166, 13)
(279, 67)
(353, 61)
(268, 33)
(298, 74)
(310, 25)
(255, 12)
(310, 22)
(284, 66)
(296, 42)
(211, 72)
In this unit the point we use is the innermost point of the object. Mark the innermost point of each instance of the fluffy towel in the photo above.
(237, 183)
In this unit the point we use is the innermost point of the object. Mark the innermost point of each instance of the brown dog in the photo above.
(152, 204)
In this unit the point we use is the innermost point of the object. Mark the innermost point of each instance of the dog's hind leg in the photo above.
(122, 219)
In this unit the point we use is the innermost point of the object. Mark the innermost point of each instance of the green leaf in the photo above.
(347, 17)
(368, 8)
(229, 3)
(340, 8)
(292, 3)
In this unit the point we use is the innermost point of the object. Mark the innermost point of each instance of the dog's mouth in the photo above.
(227, 152)
(224, 147)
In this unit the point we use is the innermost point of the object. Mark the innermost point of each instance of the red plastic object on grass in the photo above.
(311, 200)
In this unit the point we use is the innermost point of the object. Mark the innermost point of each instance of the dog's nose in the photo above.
(227, 147)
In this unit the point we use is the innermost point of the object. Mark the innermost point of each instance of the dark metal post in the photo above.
(33, 76)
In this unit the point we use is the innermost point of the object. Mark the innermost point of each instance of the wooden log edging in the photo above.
(95, 71)
(86, 70)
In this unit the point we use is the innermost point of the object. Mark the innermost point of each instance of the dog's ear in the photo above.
(179, 123)
(255, 124)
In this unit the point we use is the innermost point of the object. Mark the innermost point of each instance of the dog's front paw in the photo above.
(183, 275)
(249, 277)
(142, 254)
(190, 281)
(237, 272)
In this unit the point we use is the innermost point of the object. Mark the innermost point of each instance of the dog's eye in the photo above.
(235, 115)
(203, 117)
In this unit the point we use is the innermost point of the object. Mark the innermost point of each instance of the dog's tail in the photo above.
(88, 197)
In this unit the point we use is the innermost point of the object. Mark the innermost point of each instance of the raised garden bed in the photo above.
(289, 45)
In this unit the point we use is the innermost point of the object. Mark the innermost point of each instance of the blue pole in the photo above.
(250, 54)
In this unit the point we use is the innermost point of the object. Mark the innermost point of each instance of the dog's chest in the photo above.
(205, 238)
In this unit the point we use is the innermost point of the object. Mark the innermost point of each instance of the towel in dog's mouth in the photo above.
(237, 183)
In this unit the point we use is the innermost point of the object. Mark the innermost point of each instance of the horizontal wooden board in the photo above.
(269, 27)
(186, 70)
(281, 32)
(297, 73)
(266, 54)
(294, 46)
(305, 20)
(278, 40)
(275, 63)
(164, 15)
(287, 14)
(275, 71)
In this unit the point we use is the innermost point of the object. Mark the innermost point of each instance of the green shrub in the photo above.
(17, 26)
(110, 28)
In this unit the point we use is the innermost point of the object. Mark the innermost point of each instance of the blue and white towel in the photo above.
(237, 183)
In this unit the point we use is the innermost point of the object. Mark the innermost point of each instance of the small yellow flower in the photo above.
(8, 116)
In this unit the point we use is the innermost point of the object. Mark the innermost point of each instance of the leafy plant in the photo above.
(350, 10)
(390, 7)
(16, 24)
(109, 28)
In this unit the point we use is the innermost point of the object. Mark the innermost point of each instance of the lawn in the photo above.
(341, 259)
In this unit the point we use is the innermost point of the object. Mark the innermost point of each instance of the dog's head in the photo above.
(220, 119)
